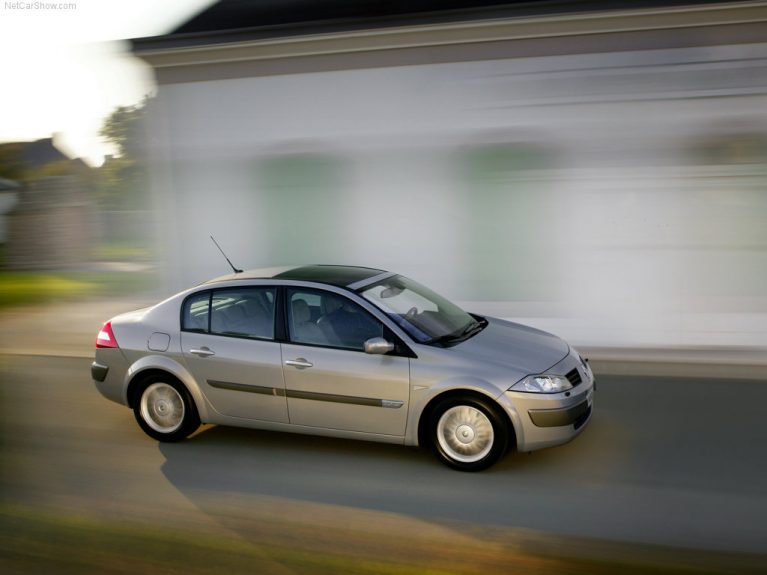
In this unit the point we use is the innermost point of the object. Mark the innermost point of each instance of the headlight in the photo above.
(543, 384)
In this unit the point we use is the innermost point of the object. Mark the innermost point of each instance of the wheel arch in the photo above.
(428, 409)
(158, 365)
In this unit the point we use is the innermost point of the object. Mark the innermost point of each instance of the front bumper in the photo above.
(575, 415)
(548, 419)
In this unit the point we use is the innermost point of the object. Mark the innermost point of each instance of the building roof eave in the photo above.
(248, 44)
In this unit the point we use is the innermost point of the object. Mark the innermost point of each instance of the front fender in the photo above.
(165, 363)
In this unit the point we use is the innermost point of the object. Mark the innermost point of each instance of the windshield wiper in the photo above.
(471, 328)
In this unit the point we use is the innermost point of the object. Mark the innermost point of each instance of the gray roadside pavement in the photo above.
(60, 329)
(69, 329)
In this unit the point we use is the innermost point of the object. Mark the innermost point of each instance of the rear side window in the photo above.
(237, 312)
(196, 312)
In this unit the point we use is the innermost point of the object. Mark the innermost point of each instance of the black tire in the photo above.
(468, 433)
(164, 409)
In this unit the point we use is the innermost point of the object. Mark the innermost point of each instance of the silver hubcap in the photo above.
(162, 408)
(465, 434)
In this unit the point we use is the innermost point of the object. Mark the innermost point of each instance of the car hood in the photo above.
(524, 349)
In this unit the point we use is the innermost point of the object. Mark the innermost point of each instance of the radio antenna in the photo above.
(234, 269)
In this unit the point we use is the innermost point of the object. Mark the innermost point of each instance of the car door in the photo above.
(227, 339)
(330, 382)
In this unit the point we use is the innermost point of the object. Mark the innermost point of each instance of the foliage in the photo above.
(124, 127)
(60, 168)
(14, 165)
(12, 162)
(123, 179)
(17, 288)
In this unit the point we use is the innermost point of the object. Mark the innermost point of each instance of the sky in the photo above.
(65, 69)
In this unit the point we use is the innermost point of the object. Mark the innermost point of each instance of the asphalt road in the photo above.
(668, 461)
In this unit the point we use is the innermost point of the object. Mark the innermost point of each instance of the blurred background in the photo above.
(594, 170)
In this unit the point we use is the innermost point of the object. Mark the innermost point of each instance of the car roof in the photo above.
(336, 275)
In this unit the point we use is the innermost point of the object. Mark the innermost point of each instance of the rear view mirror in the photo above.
(390, 291)
(378, 345)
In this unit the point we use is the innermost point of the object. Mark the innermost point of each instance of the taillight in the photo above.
(106, 338)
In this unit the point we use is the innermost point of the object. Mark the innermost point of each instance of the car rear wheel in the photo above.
(468, 434)
(164, 409)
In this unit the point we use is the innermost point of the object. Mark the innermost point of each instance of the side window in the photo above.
(196, 311)
(243, 312)
(325, 318)
(240, 312)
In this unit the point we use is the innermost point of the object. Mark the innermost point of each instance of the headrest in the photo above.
(331, 304)
(301, 311)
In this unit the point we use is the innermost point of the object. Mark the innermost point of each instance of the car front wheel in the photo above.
(165, 411)
(468, 434)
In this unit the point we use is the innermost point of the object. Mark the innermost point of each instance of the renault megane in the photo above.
(347, 352)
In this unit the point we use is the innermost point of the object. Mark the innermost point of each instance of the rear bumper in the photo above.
(108, 374)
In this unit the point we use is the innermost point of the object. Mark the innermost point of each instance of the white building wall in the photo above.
(616, 233)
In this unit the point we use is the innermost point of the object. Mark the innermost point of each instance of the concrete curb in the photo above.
(711, 362)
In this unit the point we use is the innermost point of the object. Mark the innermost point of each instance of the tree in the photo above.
(123, 178)
(12, 162)
(124, 128)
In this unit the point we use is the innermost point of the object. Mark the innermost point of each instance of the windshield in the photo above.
(424, 315)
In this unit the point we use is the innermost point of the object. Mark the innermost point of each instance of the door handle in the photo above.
(202, 352)
(300, 363)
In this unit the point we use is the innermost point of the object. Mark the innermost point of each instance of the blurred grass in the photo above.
(42, 543)
(36, 541)
(27, 288)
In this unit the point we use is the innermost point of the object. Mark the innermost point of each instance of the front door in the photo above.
(330, 382)
(228, 343)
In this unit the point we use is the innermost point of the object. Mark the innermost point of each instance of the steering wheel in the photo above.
(411, 312)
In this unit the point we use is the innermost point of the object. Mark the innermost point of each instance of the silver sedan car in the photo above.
(345, 352)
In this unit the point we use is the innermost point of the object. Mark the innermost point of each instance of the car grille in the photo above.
(573, 377)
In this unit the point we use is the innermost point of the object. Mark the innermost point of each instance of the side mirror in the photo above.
(378, 345)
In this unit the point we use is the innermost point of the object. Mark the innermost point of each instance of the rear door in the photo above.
(228, 344)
